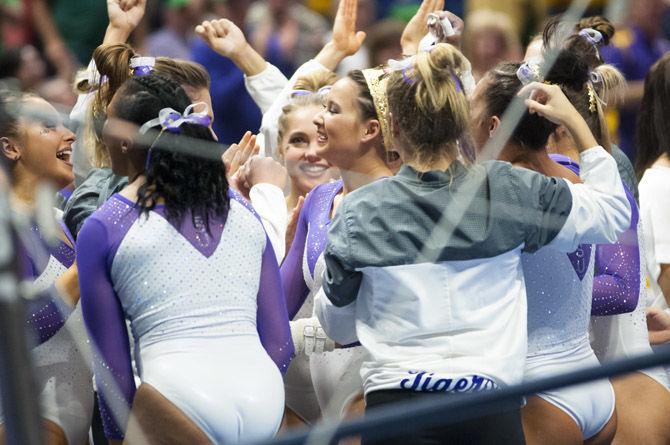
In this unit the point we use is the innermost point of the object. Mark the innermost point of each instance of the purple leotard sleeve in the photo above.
(272, 318)
(106, 325)
(295, 288)
(616, 286)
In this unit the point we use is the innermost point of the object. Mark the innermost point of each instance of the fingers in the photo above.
(528, 90)
(220, 28)
(360, 37)
(439, 5)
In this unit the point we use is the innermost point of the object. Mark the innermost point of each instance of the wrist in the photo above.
(330, 56)
(114, 35)
(409, 48)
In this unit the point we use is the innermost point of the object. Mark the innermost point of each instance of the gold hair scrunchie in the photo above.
(377, 79)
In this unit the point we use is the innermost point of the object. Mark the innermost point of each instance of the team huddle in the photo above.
(375, 243)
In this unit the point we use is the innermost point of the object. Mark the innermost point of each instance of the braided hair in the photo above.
(187, 184)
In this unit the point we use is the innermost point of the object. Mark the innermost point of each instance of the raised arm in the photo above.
(272, 317)
(596, 211)
(106, 326)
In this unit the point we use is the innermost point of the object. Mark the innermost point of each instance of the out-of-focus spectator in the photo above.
(174, 37)
(526, 15)
(383, 42)
(15, 23)
(489, 38)
(24, 65)
(70, 30)
(235, 110)
(404, 10)
(286, 33)
(633, 50)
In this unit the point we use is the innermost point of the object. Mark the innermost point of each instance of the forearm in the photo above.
(633, 94)
(115, 35)
(330, 57)
(44, 23)
(249, 61)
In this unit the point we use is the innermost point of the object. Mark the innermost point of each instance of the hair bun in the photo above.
(600, 24)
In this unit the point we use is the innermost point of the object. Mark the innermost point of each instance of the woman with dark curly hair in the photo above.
(187, 262)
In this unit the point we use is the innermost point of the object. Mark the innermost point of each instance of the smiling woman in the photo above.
(37, 147)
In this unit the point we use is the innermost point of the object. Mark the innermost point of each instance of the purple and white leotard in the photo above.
(618, 321)
(333, 375)
(206, 310)
(61, 357)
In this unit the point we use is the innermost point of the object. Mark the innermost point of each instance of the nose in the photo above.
(68, 135)
(310, 153)
(318, 119)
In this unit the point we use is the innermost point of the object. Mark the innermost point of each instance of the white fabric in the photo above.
(81, 160)
(626, 335)
(464, 322)
(655, 212)
(62, 367)
(156, 298)
(270, 86)
(269, 202)
(591, 404)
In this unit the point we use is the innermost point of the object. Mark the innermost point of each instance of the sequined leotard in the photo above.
(206, 310)
(332, 375)
(61, 358)
(560, 289)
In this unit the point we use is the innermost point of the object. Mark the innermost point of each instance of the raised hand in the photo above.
(345, 40)
(223, 36)
(550, 102)
(417, 27)
(125, 15)
(238, 154)
(345, 37)
(293, 223)
(265, 170)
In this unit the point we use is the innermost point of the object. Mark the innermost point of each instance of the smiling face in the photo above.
(299, 149)
(340, 125)
(43, 145)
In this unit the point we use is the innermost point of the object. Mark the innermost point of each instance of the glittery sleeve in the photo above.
(272, 317)
(293, 280)
(105, 322)
(616, 286)
(46, 314)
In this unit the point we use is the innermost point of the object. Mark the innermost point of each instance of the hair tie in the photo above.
(457, 81)
(323, 91)
(142, 66)
(596, 77)
(593, 36)
(170, 119)
(529, 72)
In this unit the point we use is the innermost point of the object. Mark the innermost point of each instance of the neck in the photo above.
(537, 160)
(24, 186)
(439, 165)
(563, 146)
(363, 173)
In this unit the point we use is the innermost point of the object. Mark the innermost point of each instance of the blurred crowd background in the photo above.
(44, 42)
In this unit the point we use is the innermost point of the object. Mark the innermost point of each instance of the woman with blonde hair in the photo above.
(459, 231)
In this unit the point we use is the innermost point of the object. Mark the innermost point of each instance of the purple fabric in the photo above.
(616, 285)
(45, 313)
(272, 321)
(312, 231)
(97, 244)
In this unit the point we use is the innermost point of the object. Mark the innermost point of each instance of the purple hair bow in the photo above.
(170, 119)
